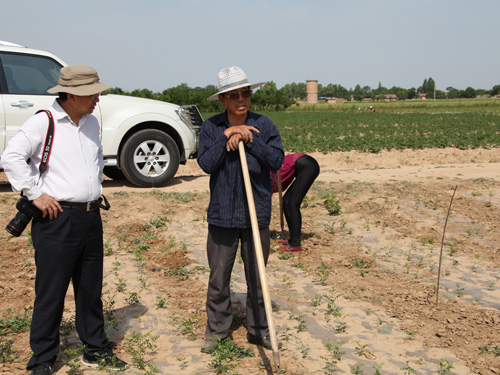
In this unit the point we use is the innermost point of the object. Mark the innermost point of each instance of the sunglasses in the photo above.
(236, 95)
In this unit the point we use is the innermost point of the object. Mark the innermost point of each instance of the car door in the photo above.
(26, 78)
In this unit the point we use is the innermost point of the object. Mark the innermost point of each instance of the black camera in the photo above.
(26, 211)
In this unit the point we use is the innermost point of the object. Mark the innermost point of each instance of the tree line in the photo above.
(269, 97)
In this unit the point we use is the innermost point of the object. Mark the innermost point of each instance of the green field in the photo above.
(394, 125)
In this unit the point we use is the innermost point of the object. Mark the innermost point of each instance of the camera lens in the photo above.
(18, 224)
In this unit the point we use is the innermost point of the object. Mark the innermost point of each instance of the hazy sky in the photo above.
(158, 44)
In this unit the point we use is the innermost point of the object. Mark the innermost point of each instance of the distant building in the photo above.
(422, 96)
(387, 98)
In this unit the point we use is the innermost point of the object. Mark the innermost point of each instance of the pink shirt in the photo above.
(287, 172)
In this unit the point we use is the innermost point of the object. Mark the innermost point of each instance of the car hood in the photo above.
(132, 104)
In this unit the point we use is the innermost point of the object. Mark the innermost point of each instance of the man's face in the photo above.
(237, 101)
(85, 105)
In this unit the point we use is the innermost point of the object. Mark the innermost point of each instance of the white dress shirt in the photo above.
(74, 171)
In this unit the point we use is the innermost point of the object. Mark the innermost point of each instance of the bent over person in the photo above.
(228, 215)
(297, 176)
(68, 233)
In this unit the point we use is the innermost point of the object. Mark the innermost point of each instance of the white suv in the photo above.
(145, 139)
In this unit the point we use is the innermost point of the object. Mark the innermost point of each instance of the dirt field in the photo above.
(360, 299)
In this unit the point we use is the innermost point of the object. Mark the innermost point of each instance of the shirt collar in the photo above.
(60, 113)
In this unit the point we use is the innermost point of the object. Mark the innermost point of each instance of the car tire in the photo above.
(149, 158)
(114, 173)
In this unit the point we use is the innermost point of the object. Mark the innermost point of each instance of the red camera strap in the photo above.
(47, 147)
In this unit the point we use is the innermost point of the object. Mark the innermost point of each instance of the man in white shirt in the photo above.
(67, 235)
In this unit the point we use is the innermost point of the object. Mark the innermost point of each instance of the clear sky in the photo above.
(158, 44)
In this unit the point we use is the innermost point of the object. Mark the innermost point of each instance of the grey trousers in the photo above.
(222, 245)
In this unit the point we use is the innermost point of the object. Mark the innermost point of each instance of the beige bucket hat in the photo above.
(79, 80)
(232, 78)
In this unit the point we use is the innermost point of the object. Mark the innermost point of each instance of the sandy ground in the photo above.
(361, 297)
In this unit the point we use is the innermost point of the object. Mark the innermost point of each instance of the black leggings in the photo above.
(306, 171)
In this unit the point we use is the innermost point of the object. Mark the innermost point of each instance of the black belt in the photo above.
(87, 206)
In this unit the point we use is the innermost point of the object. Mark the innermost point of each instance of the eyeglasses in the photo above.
(236, 95)
(94, 96)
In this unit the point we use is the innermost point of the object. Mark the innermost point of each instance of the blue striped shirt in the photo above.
(228, 205)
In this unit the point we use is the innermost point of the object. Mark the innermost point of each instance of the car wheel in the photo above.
(114, 173)
(149, 158)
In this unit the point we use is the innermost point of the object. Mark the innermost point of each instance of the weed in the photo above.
(341, 326)
(116, 265)
(360, 348)
(109, 312)
(224, 353)
(285, 256)
(445, 367)
(330, 227)
(181, 271)
(284, 333)
(120, 285)
(486, 349)
(160, 302)
(304, 348)
(159, 222)
(428, 240)
(183, 361)
(332, 309)
(15, 323)
(300, 318)
(408, 369)
(378, 369)
(411, 333)
(7, 353)
(356, 369)
(133, 298)
(363, 265)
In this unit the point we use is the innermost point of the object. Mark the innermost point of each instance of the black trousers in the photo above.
(222, 245)
(306, 171)
(69, 247)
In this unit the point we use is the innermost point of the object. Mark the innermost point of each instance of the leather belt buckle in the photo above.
(92, 206)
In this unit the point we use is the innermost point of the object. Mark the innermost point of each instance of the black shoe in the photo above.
(43, 369)
(104, 361)
(265, 341)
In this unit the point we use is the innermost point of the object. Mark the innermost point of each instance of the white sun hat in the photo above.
(232, 78)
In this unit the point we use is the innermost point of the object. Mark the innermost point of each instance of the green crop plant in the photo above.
(133, 298)
(335, 353)
(445, 367)
(66, 327)
(139, 345)
(331, 204)
(360, 348)
(189, 325)
(71, 358)
(323, 272)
